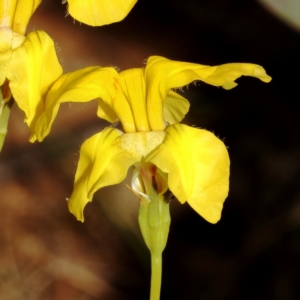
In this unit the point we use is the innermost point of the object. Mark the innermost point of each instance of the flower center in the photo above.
(148, 180)
(10, 40)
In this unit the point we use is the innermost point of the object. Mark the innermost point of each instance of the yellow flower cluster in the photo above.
(194, 162)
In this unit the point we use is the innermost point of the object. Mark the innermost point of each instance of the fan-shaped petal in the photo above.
(197, 165)
(105, 159)
(32, 70)
(99, 12)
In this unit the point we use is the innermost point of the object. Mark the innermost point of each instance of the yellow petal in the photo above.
(14, 17)
(162, 74)
(101, 164)
(5, 58)
(175, 107)
(197, 165)
(9, 41)
(15, 14)
(80, 86)
(100, 12)
(105, 159)
(33, 69)
(133, 85)
(85, 85)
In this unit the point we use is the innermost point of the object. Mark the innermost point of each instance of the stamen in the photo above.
(143, 197)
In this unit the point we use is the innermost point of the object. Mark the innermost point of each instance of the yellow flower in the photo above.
(99, 12)
(192, 163)
(28, 63)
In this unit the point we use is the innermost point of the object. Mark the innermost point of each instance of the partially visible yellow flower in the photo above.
(28, 63)
(192, 163)
(99, 12)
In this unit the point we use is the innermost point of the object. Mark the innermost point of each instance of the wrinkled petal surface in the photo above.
(99, 12)
(162, 74)
(80, 86)
(15, 14)
(197, 165)
(33, 69)
(105, 159)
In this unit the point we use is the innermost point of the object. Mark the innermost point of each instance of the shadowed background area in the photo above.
(252, 253)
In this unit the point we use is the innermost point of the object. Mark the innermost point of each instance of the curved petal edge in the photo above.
(100, 12)
(197, 164)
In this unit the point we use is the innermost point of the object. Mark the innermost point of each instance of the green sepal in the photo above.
(154, 220)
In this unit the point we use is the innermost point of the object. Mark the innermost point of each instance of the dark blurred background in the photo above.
(252, 253)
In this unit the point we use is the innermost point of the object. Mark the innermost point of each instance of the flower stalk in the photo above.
(154, 220)
(156, 272)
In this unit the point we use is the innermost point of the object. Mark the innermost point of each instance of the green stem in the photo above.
(5, 109)
(156, 271)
